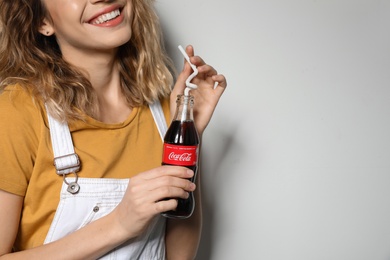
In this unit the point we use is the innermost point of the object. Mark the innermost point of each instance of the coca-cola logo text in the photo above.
(184, 157)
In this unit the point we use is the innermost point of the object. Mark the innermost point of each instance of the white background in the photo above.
(296, 161)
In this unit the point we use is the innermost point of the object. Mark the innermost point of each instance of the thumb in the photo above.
(180, 84)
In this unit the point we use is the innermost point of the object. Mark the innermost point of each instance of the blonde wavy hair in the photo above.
(34, 61)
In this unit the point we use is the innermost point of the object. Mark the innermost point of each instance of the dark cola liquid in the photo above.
(183, 134)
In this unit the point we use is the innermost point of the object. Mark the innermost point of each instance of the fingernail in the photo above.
(193, 186)
(190, 172)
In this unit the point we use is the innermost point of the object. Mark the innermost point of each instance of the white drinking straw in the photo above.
(189, 85)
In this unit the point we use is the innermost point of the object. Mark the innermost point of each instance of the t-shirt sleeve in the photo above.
(20, 124)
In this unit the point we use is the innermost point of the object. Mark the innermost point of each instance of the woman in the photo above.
(97, 67)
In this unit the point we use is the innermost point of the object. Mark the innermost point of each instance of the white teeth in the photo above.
(106, 17)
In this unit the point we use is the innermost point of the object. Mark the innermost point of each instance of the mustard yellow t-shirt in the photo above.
(26, 158)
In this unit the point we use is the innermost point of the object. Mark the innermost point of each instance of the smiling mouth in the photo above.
(106, 17)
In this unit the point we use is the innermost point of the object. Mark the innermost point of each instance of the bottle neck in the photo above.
(184, 108)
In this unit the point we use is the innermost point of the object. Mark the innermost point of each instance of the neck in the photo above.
(101, 68)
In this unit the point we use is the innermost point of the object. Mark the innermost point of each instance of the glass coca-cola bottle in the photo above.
(181, 145)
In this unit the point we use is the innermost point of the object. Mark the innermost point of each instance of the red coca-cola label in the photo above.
(180, 154)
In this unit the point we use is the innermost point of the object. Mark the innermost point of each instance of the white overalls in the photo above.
(83, 200)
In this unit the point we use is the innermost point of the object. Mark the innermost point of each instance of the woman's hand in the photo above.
(149, 194)
(145, 197)
(211, 86)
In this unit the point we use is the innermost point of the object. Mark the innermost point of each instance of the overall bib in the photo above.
(83, 200)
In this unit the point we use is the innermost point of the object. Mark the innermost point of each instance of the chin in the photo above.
(116, 41)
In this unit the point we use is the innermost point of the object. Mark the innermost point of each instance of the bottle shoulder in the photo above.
(182, 132)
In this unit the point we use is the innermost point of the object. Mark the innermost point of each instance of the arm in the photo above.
(11, 206)
(100, 236)
(142, 201)
(182, 236)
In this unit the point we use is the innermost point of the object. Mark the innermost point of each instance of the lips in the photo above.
(106, 14)
(106, 17)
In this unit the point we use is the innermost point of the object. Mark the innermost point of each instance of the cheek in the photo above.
(64, 11)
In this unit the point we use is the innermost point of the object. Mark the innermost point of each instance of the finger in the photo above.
(197, 61)
(207, 70)
(165, 205)
(164, 194)
(186, 66)
(167, 181)
(221, 83)
(154, 187)
(167, 192)
(167, 170)
(220, 79)
(190, 51)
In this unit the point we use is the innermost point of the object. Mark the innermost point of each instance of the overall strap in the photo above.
(159, 118)
(65, 159)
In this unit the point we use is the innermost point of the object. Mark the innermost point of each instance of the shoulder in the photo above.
(18, 105)
(22, 117)
(21, 125)
(15, 94)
